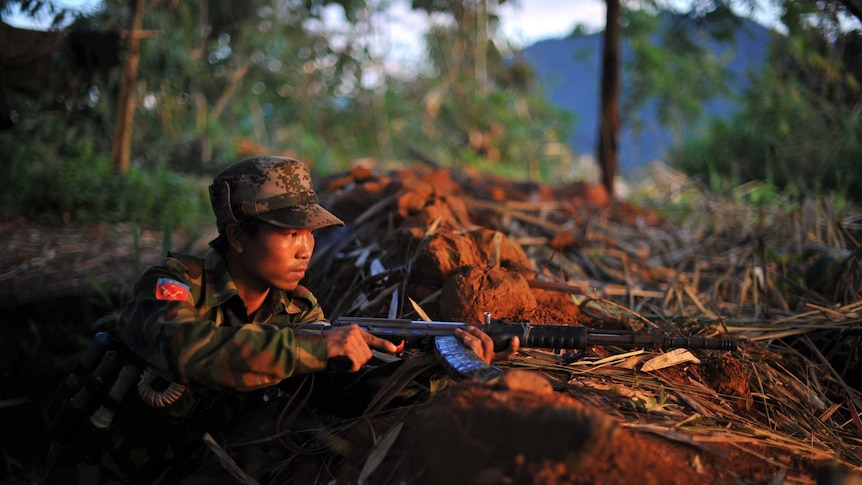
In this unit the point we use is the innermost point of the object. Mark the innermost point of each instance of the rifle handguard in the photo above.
(581, 337)
(419, 334)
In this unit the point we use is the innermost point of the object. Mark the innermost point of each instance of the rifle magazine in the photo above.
(463, 363)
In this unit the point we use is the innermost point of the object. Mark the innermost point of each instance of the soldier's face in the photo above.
(278, 257)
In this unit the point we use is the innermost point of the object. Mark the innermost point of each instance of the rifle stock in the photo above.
(419, 334)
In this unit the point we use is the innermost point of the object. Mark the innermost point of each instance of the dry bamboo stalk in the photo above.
(380, 298)
(554, 286)
(706, 406)
(691, 294)
(803, 328)
(828, 311)
(502, 209)
(531, 241)
(852, 394)
(496, 240)
(619, 290)
(854, 415)
(227, 462)
(829, 412)
(847, 309)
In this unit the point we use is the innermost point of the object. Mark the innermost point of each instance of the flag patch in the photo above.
(168, 289)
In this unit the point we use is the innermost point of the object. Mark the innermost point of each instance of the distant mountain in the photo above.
(570, 70)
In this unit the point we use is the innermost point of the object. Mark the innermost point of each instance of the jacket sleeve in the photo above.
(162, 326)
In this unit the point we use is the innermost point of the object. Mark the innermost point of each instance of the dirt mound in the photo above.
(428, 243)
(446, 245)
(478, 433)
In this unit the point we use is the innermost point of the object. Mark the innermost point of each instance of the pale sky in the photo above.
(523, 21)
(396, 37)
(533, 20)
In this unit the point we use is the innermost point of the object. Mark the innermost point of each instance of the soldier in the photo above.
(227, 321)
(216, 335)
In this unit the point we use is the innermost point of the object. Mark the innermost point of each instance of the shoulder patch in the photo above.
(168, 289)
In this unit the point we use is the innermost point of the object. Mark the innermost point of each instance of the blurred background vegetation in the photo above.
(220, 79)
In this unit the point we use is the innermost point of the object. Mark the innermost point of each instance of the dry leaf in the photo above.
(674, 357)
(424, 316)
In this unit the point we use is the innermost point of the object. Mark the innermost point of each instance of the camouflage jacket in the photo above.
(187, 321)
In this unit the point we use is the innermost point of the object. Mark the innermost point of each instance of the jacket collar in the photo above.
(221, 286)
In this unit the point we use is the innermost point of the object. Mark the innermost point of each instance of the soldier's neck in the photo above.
(253, 300)
(252, 291)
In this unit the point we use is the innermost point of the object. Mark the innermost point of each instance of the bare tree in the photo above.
(122, 146)
(609, 121)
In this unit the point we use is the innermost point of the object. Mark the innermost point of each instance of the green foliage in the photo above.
(482, 109)
(70, 180)
(677, 74)
(798, 129)
(238, 80)
(786, 136)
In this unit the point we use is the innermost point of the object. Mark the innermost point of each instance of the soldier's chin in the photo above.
(291, 282)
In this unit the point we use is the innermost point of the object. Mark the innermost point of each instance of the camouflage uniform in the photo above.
(273, 189)
(207, 339)
(188, 323)
(187, 319)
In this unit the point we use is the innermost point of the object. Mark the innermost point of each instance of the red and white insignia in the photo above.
(168, 289)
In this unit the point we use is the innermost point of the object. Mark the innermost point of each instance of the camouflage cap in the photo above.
(273, 189)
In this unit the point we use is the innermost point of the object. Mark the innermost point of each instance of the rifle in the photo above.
(463, 362)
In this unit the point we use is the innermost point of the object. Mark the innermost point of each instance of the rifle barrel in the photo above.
(416, 333)
(580, 337)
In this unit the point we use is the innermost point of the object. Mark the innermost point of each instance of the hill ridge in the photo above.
(569, 68)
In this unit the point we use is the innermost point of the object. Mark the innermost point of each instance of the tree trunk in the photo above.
(609, 121)
(122, 144)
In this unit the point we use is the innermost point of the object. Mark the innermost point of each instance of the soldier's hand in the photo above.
(354, 344)
(481, 343)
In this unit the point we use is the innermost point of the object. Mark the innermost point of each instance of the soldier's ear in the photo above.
(235, 237)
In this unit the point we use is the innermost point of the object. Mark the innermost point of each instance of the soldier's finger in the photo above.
(510, 351)
(484, 339)
(380, 343)
(363, 348)
(474, 342)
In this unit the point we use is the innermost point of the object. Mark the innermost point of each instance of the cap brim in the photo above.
(306, 216)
